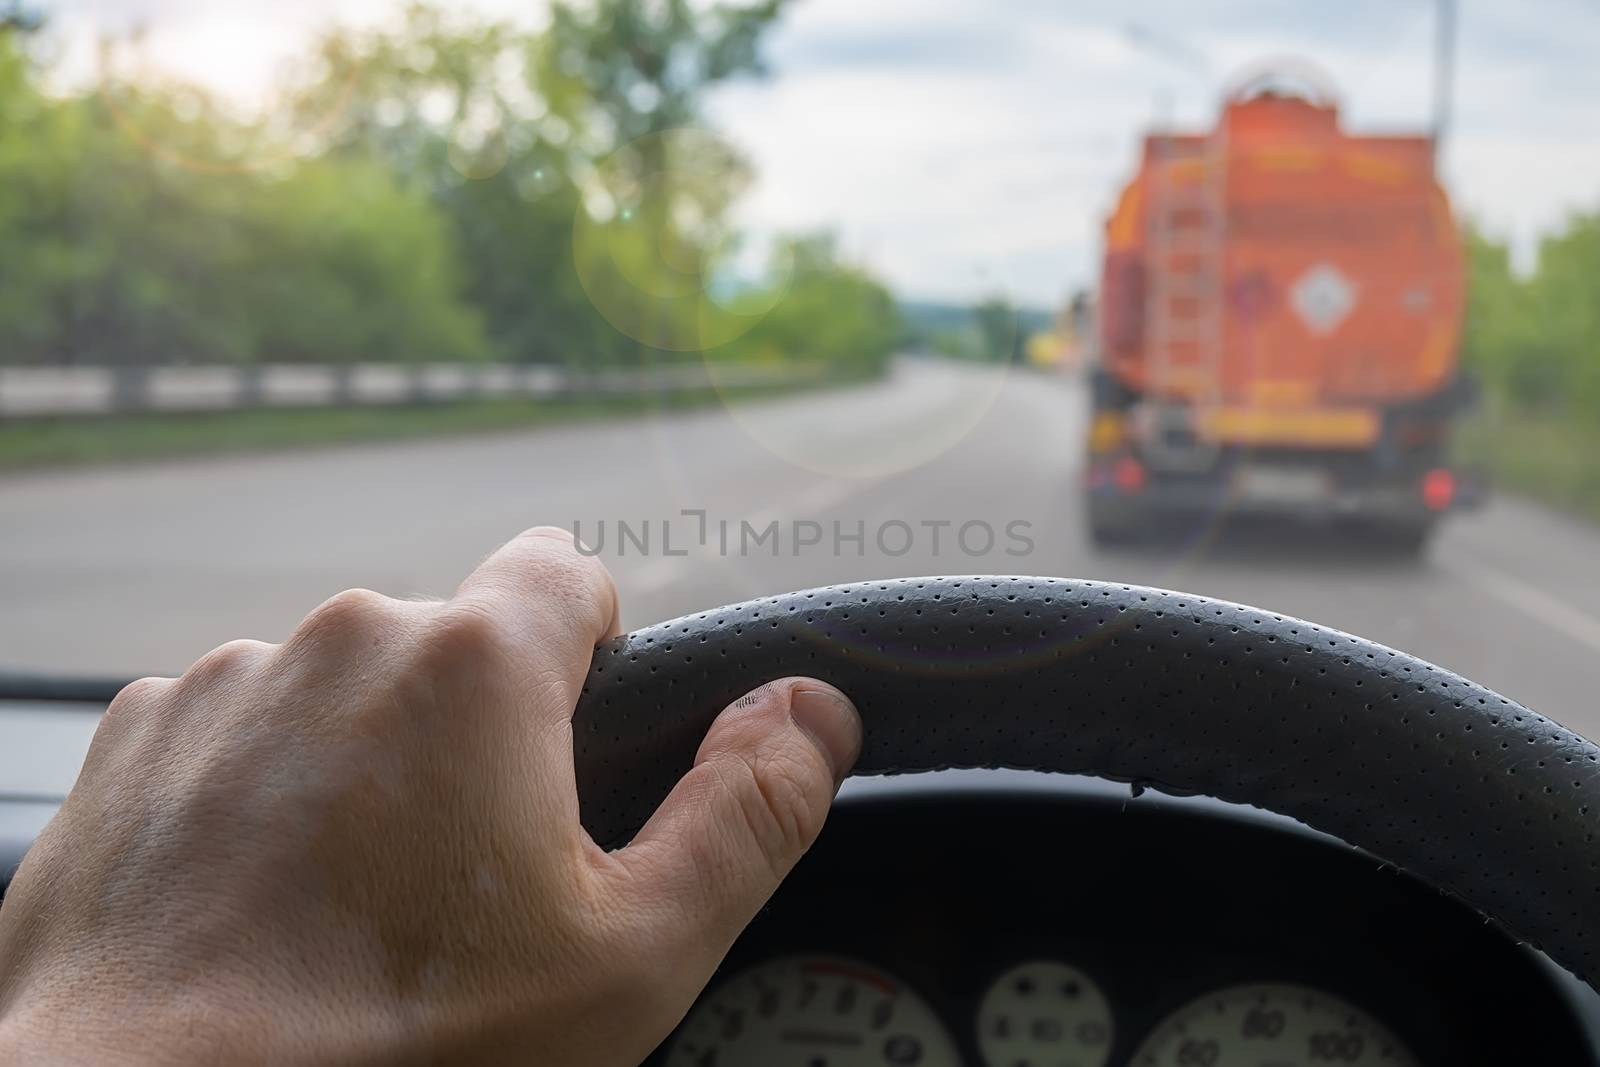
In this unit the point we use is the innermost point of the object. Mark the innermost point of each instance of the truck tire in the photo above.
(1107, 392)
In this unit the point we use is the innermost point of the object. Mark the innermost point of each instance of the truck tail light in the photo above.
(1128, 474)
(1438, 489)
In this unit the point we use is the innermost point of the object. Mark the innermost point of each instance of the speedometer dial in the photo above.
(812, 1011)
(1044, 1014)
(1280, 1025)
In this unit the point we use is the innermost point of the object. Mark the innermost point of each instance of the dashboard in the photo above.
(1036, 921)
(1011, 919)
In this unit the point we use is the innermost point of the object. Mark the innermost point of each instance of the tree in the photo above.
(15, 17)
(118, 251)
(1533, 340)
(825, 312)
(446, 105)
(627, 78)
(1000, 330)
(442, 187)
(508, 133)
(623, 69)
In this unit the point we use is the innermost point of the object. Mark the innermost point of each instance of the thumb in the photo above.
(737, 823)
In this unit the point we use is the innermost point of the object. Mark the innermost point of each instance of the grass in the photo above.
(1550, 459)
(59, 442)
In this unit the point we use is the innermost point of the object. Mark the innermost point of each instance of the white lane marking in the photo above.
(659, 572)
(1529, 599)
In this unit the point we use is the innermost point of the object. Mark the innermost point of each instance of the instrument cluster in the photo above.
(1098, 930)
(827, 1011)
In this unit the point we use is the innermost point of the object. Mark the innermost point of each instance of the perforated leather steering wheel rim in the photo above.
(1464, 788)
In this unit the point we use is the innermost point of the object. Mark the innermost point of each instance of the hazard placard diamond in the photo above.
(1323, 298)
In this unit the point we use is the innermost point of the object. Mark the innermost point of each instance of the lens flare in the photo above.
(165, 132)
(478, 156)
(655, 251)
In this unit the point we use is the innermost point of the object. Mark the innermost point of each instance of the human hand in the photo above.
(363, 845)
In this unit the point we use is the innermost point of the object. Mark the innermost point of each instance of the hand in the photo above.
(363, 845)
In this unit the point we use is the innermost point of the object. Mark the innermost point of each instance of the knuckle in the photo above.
(566, 574)
(138, 696)
(775, 802)
(464, 628)
(560, 565)
(224, 663)
(137, 710)
(352, 611)
(141, 691)
(460, 643)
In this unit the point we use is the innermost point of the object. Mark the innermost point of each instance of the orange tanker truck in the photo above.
(1279, 318)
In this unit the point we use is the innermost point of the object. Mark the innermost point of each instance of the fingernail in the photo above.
(832, 722)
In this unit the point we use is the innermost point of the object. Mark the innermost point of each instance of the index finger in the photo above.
(549, 599)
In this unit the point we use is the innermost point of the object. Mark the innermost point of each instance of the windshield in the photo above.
(1289, 304)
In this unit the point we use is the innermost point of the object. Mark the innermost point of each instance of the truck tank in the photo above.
(1278, 326)
(1285, 278)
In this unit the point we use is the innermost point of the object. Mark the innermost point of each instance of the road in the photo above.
(141, 569)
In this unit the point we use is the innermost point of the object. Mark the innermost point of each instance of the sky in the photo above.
(967, 147)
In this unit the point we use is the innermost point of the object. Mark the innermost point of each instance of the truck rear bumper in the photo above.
(1378, 504)
(1303, 492)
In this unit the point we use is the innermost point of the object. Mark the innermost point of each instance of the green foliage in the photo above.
(1550, 459)
(411, 196)
(1000, 330)
(631, 68)
(1534, 344)
(383, 279)
(14, 17)
(990, 331)
(1535, 341)
(829, 313)
(126, 241)
(445, 106)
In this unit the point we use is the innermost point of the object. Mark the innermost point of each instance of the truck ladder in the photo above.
(1186, 235)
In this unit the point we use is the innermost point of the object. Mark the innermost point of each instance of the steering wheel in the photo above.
(1467, 790)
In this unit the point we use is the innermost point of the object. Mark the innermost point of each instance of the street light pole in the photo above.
(1444, 71)
(1166, 47)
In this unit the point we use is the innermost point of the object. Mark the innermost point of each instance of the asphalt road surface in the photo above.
(940, 469)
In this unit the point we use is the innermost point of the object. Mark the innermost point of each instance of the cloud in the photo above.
(965, 145)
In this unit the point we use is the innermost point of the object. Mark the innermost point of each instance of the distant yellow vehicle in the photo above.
(1046, 350)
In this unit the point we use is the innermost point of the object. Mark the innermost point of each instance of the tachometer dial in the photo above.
(1044, 1014)
(1285, 1025)
(812, 1011)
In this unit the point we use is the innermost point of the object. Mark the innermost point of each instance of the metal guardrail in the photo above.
(87, 391)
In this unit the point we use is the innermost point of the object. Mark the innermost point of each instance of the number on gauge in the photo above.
(1044, 1014)
(812, 1011)
(1286, 1025)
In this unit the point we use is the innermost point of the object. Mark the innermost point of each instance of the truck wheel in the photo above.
(1107, 393)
